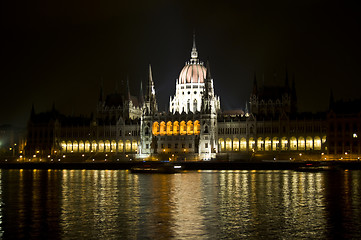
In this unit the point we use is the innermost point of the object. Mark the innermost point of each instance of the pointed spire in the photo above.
(150, 83)
(208, 80)
(150, 98)
(246, 112)
(194, 53)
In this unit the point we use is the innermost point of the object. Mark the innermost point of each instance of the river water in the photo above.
(116, 204)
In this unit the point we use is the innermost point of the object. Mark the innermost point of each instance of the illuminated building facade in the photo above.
(195, 127)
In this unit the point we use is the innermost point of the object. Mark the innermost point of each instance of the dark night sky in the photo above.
(56, 51)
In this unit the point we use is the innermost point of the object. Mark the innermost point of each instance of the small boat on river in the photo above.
(156, 167)
(310, 167)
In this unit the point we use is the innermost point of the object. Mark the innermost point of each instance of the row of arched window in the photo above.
(100, 146)
(271, 144)
(176, 128)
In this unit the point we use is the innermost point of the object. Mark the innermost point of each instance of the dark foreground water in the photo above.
(116, 204)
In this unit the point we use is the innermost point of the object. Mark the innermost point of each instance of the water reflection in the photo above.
(111, 204)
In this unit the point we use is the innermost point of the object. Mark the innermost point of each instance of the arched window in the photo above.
(195, 105)
(293, 143)
(251, 143)
(176, 128)
(69, 147)
(162, 130)
(235, 144)
(81, 146)
(87, 146)
(127, 146)
(188, 105)
(189, 128)
(275, 144)
(94, 146)
(75, 146)
(228, 145)
(114, 146)
(169, 128)
(317, 143)
(134, 146)
(120, 146)
(268, 144)
(221, 144)
(301, 143)
(107, 146)
(183, 128)
(205, 129)
(284, 144)
(101, 146)
(196, 127)
(155, 129)
(63, 146)
(309, 143)
(260, 144)
(243, 144)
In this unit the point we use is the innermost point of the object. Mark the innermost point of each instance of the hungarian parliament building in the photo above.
(128, 127)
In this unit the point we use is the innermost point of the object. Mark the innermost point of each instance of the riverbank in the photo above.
(351, 165)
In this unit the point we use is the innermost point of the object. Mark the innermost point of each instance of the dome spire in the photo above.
(194, 53)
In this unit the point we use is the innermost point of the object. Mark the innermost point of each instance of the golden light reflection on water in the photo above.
(112, 204)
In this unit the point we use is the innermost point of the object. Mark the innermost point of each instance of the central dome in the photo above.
(193, 72)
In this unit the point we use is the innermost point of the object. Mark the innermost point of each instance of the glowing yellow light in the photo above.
(48, 156)
(37, 151)
(34, 155)
(63, 157)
